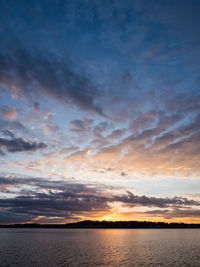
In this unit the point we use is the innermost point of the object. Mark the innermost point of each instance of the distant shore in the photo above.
(88, 224)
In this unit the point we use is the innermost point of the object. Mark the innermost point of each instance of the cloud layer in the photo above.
(32, 198)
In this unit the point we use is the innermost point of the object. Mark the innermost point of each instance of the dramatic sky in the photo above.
(99, 110)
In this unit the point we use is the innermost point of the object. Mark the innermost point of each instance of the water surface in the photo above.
(103, 247)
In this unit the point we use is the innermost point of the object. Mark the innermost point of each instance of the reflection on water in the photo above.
(81, 247)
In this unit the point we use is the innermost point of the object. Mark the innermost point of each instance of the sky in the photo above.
(99, 110)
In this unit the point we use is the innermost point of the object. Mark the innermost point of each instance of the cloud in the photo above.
(133, 200)
(26, 73)
(69, 149)
(8, 133)
(36, 107)
(175, 213)
(116, 134)
(8, 112)
(170, 147)
(52, 199)
(67, 200)
(81, 125)
(19, 145)
(12, 126)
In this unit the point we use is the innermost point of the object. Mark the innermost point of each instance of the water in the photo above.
(83, 247)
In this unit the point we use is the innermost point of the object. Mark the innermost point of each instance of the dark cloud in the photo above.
(34, 73)
(19, 145)
(8, 133)
(66, 200)
(10, 180)
(174, 213)
(61, 199)
(133, 200)
(14, 217)
(9, 129)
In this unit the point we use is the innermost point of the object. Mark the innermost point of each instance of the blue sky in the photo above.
(99, 110)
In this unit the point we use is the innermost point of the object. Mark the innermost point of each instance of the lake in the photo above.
(99, 247)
